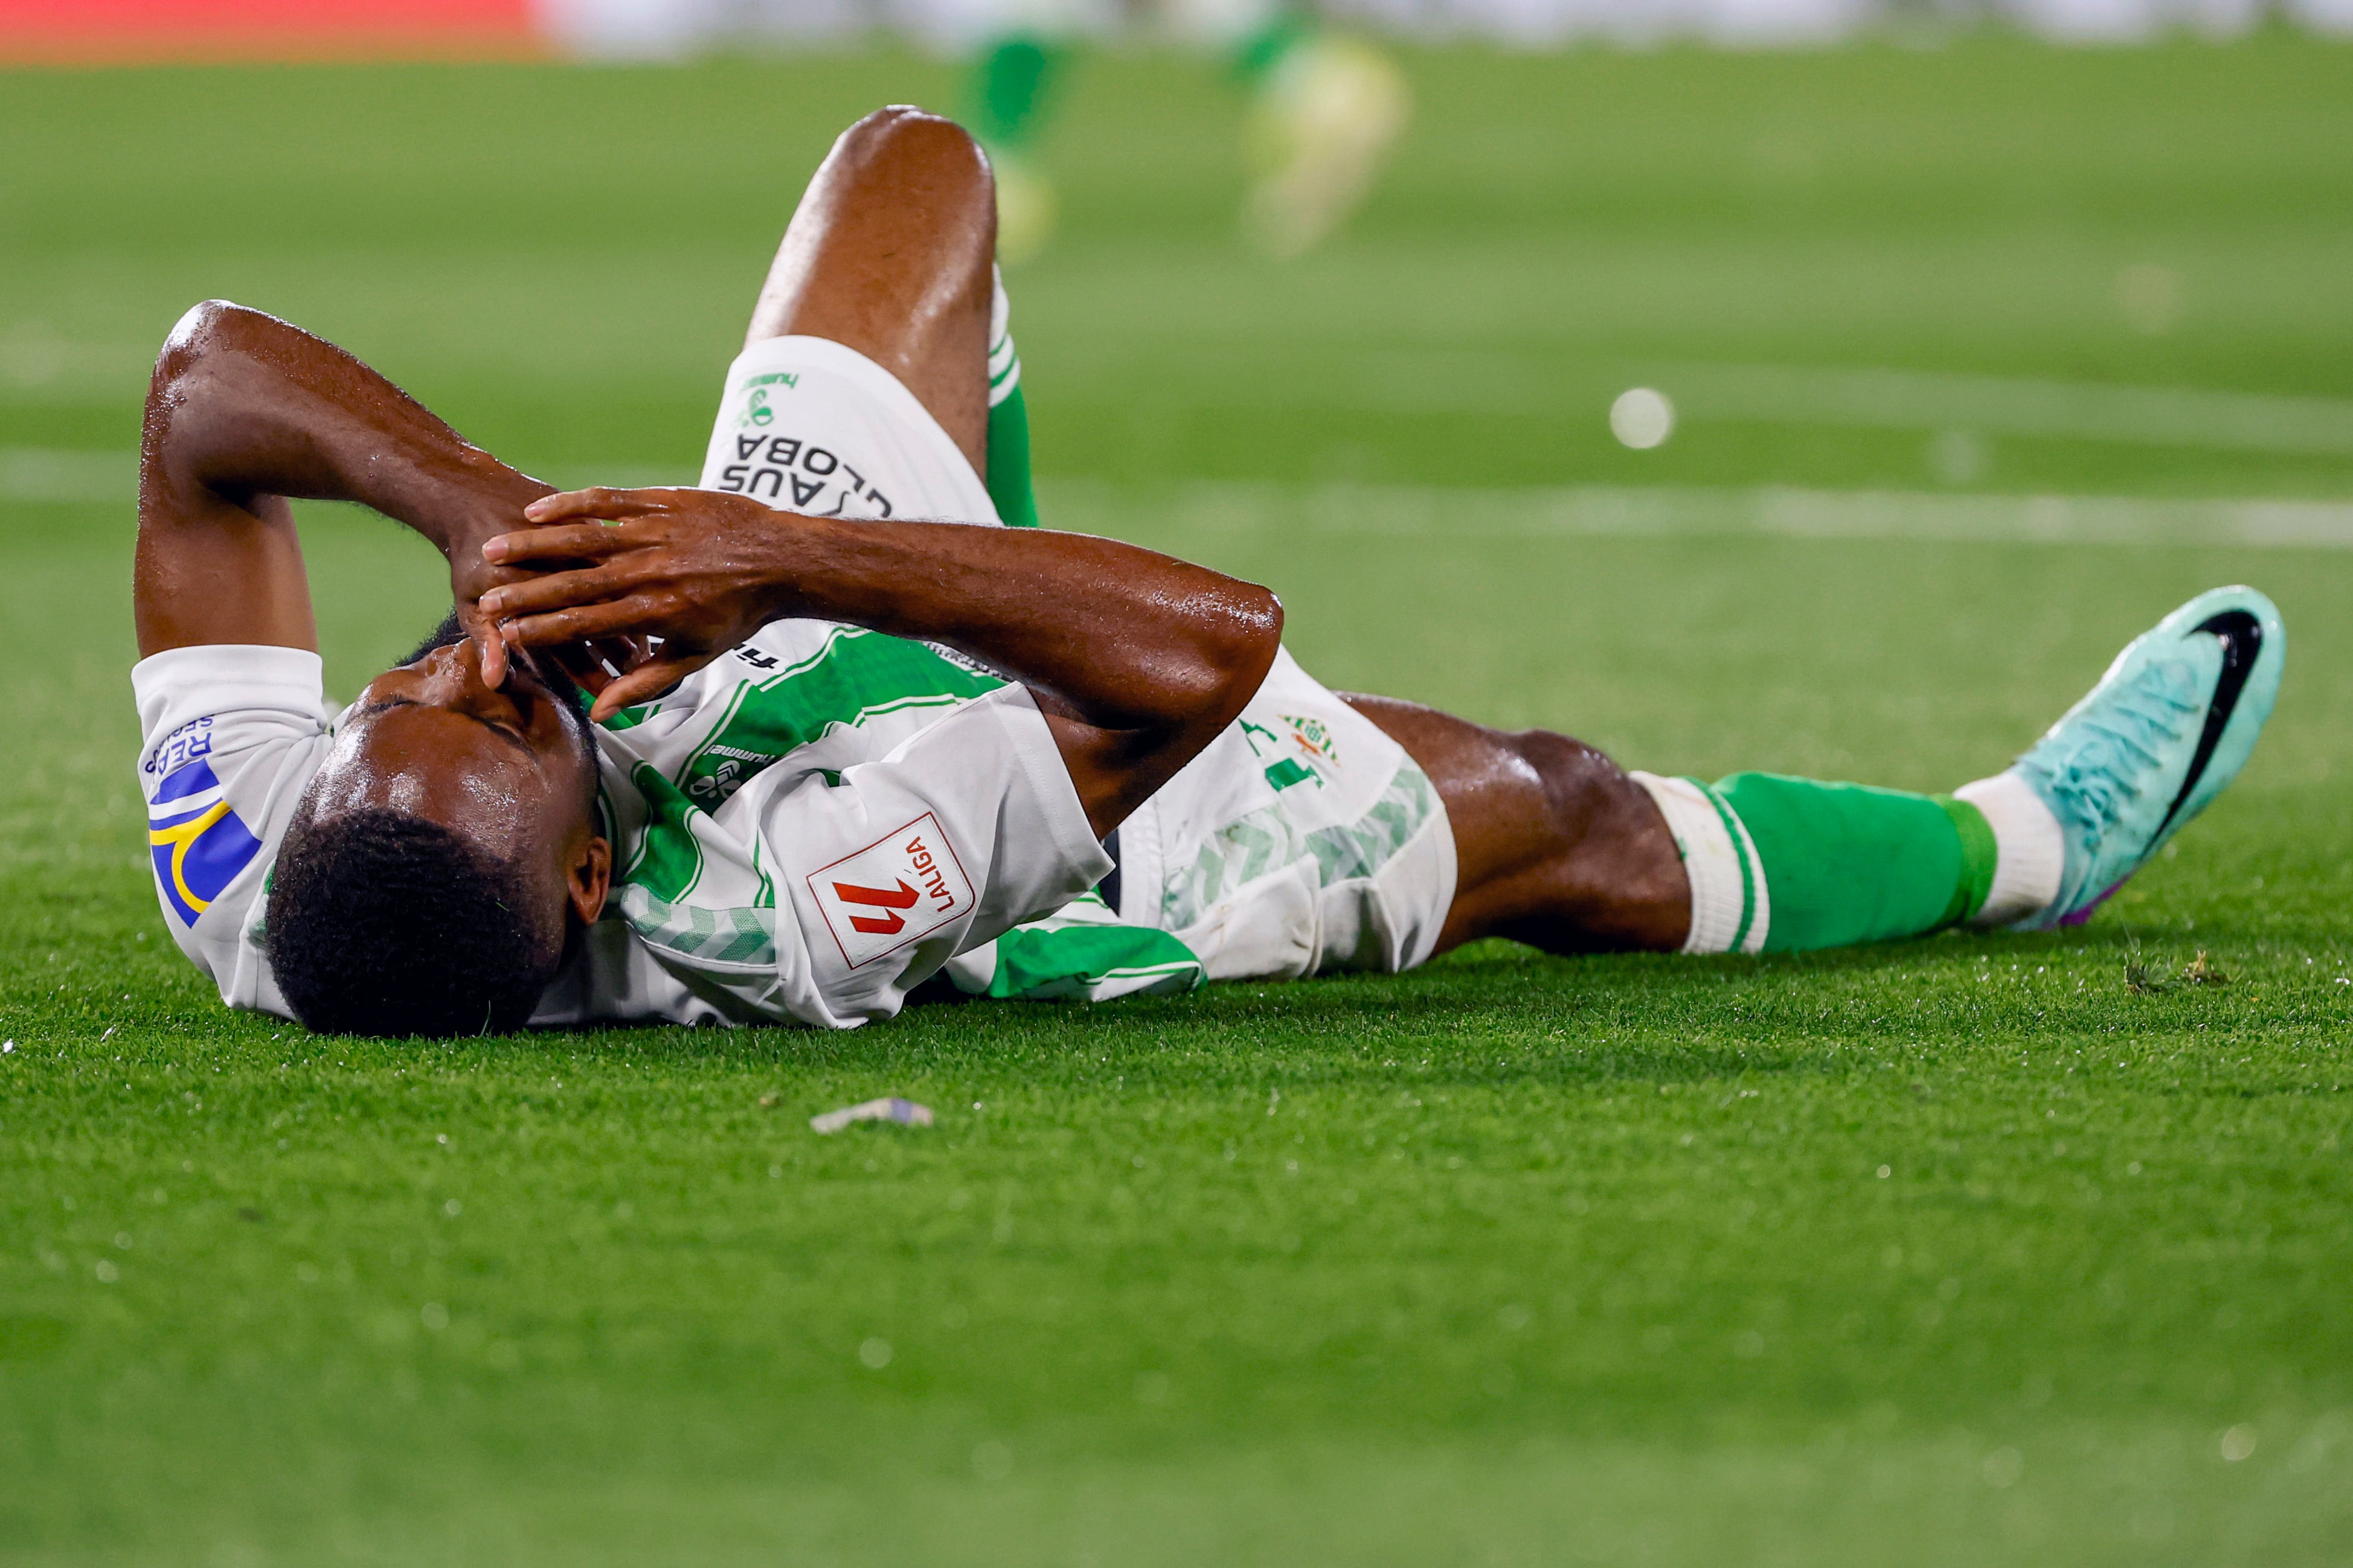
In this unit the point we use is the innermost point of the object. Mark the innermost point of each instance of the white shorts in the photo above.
(813, 427)
(1302, 840)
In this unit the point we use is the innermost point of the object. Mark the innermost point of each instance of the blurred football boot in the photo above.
(1321, 122)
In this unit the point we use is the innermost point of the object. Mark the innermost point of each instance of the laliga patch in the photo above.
(896, 890)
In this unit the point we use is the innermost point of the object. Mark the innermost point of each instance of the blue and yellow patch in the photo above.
(198, 844)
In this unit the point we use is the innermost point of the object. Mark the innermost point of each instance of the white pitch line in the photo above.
(2131, 416)
(38, 366)
(39, 474)
(1406, 511)
(53, 475)
(42, 474)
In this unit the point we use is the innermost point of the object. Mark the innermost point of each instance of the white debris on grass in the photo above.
(905, 1112)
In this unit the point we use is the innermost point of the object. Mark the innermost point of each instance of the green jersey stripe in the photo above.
(1046, 963)
(669, 861)
(857, 676)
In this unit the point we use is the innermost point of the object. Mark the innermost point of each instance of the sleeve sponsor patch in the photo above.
(898, 890)
(174, 750)
(197, 843)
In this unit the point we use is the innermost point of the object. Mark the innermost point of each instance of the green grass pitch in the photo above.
(1951, 1252)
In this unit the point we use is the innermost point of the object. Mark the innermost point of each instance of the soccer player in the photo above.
(1322, 109)
(770, 751)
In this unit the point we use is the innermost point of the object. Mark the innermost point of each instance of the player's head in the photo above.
(438, 860)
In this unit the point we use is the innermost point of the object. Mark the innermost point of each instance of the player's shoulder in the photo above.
(207, 697)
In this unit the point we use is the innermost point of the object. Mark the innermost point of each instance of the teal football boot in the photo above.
(2165, 729)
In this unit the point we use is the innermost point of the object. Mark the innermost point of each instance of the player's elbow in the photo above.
(193, 397)
(205, 330)
(183, 385)
(193, 372)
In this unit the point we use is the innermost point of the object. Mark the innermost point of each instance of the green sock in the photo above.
(1846, 863)
(1009, 90)
(1008, 423)
(1008, 462)
(1260, 51)
(1789, 864)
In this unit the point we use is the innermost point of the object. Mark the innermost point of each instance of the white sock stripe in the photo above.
(1760, 900)
(2030, 851)
(1713, 860)
(1004, 364)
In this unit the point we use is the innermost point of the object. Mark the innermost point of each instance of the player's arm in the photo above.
(246, 410)
(1138, 661)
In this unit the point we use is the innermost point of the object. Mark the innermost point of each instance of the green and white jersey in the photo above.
(816, 823)
(804, 830)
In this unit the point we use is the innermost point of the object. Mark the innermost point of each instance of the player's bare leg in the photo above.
(889, 253)
(1554, 845)
(1558, 847)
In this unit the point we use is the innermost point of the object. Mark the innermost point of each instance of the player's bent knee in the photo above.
(895, 120)
(899, 142)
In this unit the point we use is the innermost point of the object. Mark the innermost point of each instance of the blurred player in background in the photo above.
(638, 29)
(1324, 109)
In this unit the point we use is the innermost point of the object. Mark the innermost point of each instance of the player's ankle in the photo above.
(2030, 852)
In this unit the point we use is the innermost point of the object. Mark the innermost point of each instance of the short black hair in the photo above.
(450, 632)
(381, 924)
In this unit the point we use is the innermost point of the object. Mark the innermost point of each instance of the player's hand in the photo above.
(484, 633)
(698, 569)
(470, 576)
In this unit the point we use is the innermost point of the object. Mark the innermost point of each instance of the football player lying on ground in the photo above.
(835, 754)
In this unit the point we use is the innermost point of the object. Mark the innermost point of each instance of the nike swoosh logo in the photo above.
(2242, 639)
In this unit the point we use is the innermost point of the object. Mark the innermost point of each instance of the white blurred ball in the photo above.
(1642, 418)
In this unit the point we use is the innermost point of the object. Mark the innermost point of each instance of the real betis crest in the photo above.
(1313, 737)
(1299, 756)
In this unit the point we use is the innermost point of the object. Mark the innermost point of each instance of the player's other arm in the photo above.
(1137, 659)
(245, 411)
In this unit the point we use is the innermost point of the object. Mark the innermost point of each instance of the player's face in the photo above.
(511, 768)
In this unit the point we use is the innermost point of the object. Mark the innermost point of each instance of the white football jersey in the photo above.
(806, 829)
(819, 821)
(814, 824)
